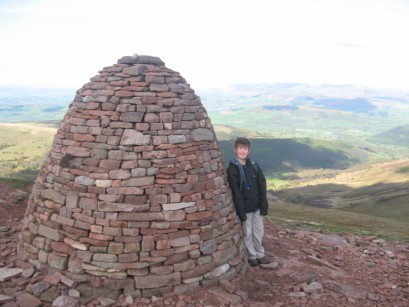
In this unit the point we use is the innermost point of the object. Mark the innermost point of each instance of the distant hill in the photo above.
(289, 155)
(34, 104)
(380, 189)
(323, 95)
(354, 105)
(346, 113)
(395, 136)
(354, 115)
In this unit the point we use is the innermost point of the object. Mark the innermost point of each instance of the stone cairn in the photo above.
(133, 197)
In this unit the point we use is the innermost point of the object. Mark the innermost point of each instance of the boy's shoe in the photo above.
(253, 262)
(263, 260)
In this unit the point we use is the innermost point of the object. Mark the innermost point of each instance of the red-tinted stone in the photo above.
(134, 188)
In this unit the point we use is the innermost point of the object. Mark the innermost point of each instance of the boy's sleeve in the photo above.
(262, 185)
(234, 182)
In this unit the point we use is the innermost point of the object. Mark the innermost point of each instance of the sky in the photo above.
(211, 43)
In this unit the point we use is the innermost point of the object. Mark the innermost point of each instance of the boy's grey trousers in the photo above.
(253, 229)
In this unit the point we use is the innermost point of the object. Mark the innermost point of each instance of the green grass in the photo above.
(275, 182)
(16, 183)
(380, 190)
(337, 221)
(23, 147)
(394, 205)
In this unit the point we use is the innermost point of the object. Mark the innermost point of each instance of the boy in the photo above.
(248, 186)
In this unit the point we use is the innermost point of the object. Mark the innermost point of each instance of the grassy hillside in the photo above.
(339, 221)
(291, 155)
(22, 148)
(361, 130)
(398, 136)
(378, 190)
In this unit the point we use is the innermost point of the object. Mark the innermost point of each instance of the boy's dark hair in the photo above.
(242, 141)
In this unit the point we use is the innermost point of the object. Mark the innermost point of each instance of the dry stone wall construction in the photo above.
(133, 195)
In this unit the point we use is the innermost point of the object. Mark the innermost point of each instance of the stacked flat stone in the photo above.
(133, 196)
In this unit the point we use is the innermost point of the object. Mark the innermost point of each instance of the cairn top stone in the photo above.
(141, 59)
(133, 194)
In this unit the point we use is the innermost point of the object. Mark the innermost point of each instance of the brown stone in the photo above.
(134, 189)
(61, 247)
(198, 270)
(176, 258)
(110, 164)
(28, 300)
(140, 216)
(197, 216)
(149, 282)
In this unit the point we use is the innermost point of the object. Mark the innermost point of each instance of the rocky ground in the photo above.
(308, 269)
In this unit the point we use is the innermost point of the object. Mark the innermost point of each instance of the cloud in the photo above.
(211, 43)
(345, 44)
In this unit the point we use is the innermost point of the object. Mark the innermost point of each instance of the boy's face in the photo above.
(242, 152)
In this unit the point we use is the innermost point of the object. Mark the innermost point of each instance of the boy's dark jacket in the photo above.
(253, 199)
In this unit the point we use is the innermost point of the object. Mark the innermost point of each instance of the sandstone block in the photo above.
(62, 220)
(79, 151)
(149, 282)
(177, 139)
(148, 243)
(72, 199)
(84, 180)
(119, 174)
(208, 247)
(53, 195)
(138, 181)
(198, 271)
(132, 137)
(218, 271)
(134, 70)
(177, 206)
(197, 216)
(174, 215)
(125, 191)
(223, 256)
(75, 244)
(105, 257)
(103, 183)
(58, 262)
(133, 117)
(88, 203)
(128, 257)
(50, 233)
(62, 247)
(115, 207)
(202, 134)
